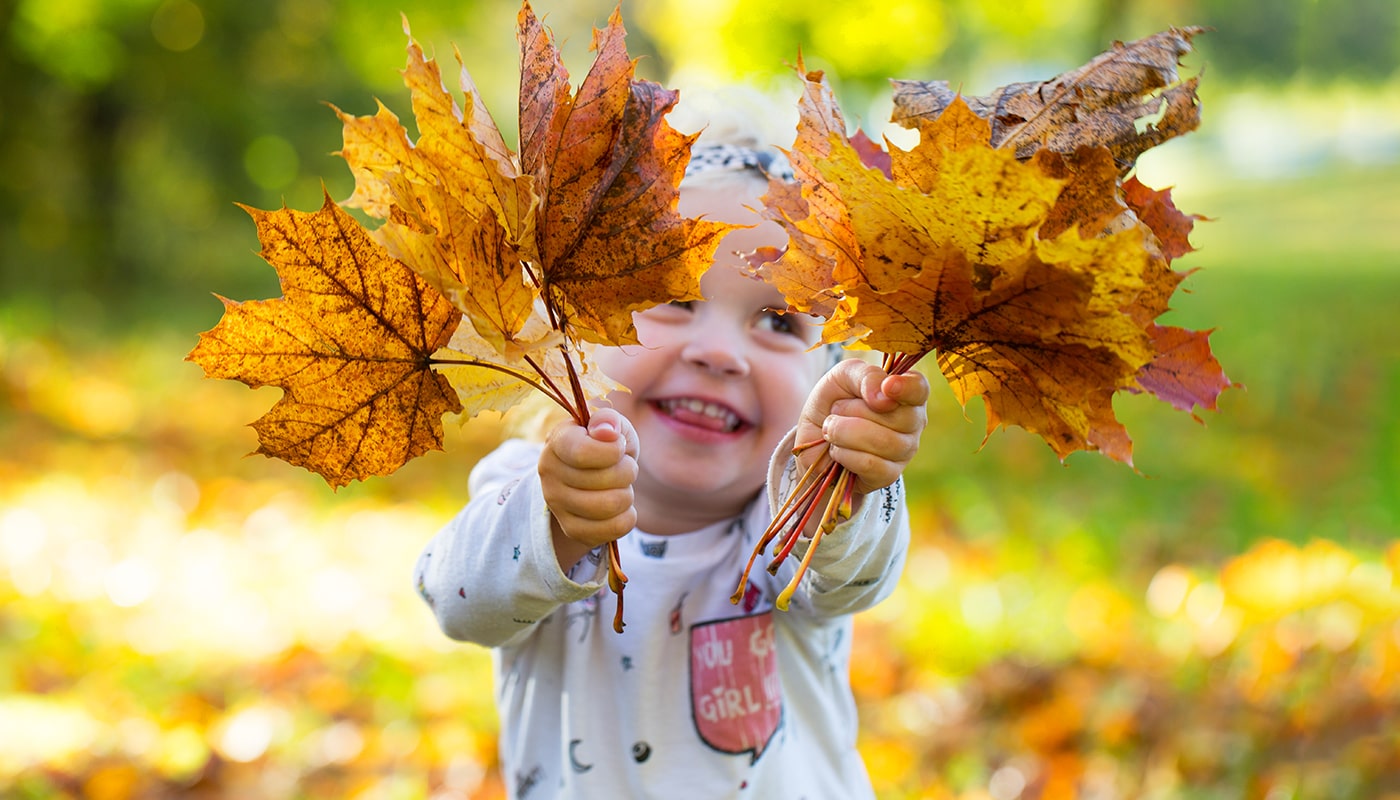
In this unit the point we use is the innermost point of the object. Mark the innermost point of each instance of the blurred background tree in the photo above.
(129, 127)
(178, 621)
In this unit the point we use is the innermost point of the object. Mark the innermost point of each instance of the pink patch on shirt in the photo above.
(735, 691)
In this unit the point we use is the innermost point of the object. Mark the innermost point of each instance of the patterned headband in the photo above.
(711, 157)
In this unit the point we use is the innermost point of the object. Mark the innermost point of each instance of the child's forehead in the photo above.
(727, 196)
(727, 280)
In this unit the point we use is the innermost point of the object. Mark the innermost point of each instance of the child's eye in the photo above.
(779, 322)
(674, 312)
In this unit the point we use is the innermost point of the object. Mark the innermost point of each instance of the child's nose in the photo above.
(718, 351)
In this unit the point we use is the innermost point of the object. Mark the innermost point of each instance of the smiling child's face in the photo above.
(715, 384)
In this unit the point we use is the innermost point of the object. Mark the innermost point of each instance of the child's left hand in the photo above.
(871, 421)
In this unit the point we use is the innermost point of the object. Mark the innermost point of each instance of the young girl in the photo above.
(698, 697)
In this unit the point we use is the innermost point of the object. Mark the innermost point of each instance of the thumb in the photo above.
(607, 425)
(603, 428)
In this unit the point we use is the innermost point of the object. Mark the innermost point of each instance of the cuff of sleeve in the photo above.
(564, 587)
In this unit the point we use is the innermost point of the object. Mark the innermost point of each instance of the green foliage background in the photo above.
(177, 621)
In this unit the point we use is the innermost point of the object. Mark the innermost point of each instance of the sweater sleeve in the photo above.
(491, 574)
(859, 562)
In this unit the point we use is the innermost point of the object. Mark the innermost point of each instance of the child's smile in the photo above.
(716, 383)
(694, 416)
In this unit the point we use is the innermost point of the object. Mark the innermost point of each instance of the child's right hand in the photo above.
(587, 476)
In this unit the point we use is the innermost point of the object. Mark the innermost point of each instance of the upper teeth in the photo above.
(712, 410)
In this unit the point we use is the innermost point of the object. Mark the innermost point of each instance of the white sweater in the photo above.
(697, 697)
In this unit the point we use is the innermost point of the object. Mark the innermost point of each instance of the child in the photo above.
(698, 697)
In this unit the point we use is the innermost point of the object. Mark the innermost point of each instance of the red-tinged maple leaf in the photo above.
(1184, 372)
(1155, 208)
(349, 343)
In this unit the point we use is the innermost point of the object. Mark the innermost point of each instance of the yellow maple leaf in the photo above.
(821, 245)
(349, 343)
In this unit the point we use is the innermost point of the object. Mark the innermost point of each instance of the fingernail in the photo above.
(826, 428)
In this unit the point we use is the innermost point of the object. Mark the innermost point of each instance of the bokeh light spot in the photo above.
(982, 606)
(271, 162)
(131, 582)
(247, 735)
(178, 25)
(1168, 589)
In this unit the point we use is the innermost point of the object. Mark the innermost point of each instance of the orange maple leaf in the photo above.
(1036, 279)
(349, 343)
(1033, 326)
(821, 243)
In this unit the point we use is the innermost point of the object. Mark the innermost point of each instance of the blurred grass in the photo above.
(176, 620)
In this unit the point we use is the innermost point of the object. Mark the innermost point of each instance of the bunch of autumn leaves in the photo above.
(1008, 243)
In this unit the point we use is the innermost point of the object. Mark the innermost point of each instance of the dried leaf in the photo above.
(1103, 103)
(349, 343)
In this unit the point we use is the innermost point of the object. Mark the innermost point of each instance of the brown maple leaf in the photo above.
(1104, 103)
(607, 167)
(349, 343)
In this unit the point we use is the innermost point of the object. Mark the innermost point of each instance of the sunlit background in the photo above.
(178, 620)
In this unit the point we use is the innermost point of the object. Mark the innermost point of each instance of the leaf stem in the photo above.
(617, 581)
(840, 499)
(547, 387)
(809, 507)
(554, 392)
(805, 487)
(575, 385)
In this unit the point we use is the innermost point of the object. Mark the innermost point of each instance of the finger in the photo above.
(872, 382)
(612, 474)
(847, 380)
(858, 435)
(609, 425)
(575, 446)
(871, 471)
(591, 505)
(903, 418)
(593, 533)
(908, 389)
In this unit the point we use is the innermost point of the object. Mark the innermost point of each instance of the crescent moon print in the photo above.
(573, 757)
